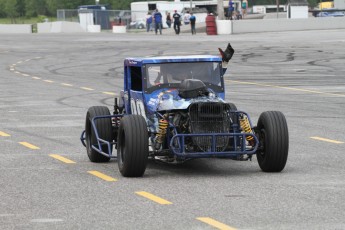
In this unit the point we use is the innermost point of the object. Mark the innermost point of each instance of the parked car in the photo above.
(138, 24)
(331, 14)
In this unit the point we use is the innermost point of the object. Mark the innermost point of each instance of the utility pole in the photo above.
(191, 5)
(220, 9)
(277, 1)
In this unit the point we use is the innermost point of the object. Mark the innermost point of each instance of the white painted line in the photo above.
(327, 140)
(86, 88)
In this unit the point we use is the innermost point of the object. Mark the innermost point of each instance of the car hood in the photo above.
(169, 99)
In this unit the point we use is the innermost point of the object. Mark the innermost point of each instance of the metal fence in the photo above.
(105, 18)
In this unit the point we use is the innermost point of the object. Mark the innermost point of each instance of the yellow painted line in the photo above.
(14, 64)
(61, 158)
(102, 176)
(153, 197)
(28, 145)
(17, 72)
(65, 84)
(86, 88)
(3, 134)
(19, 62)
(49, 81)
(215, 223)
(327, 140)
(12, 69)
(25, 75)
(288, 88)
(109, 93)
(36, 78)
(28, 60)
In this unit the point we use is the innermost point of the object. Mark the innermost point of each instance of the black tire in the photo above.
(235, 123)
(233, 108)
(233, 116)
(274, 139)
(104, 129)
(133, 146)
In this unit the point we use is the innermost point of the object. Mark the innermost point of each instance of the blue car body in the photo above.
(153, 102)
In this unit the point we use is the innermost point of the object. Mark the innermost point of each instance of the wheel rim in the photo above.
(262, 142)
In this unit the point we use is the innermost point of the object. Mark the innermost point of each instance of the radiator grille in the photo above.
(210, 117)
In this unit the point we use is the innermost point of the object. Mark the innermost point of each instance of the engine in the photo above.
(204, 117)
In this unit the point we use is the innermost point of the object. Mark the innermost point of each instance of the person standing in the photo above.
(158, 21)
(230, 9)
(244, 8)
(177, 21)
(168, 20)
(186, 18)
(192, 20)
(148, 22)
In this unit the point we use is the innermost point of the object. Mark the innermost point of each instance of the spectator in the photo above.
(230, 9)
(158, 21)
(244, 8)
(168, 20)
(186, 18)
(148, 22)
(177, 21)
(192, 20)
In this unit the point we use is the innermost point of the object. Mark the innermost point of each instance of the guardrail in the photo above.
(16, 28)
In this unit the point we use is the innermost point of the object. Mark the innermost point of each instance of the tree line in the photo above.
(33, 8)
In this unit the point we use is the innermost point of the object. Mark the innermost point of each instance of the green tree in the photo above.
(2, 7)
(10, 8)
(21, 7)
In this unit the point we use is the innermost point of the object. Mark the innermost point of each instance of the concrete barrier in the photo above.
(94, 28)
(15, 28)
(44, 27)
(119, 29)
(224, 27)
(66, 27)
(279, 25)
(59, 27)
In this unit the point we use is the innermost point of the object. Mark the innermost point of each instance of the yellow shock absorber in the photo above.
(246, 127)
(162, 130)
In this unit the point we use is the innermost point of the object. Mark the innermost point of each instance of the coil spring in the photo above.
(162, 126)
(246, 127)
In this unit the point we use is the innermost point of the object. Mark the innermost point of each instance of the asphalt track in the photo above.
(48, 81)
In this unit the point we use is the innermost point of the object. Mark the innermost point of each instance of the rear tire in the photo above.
(133, 146)
(104, 129)
(274, 139)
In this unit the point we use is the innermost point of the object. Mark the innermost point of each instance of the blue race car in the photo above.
(173, 109)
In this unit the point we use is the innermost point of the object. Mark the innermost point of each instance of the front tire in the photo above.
(273, 134)
(104, 129)
(133, 146)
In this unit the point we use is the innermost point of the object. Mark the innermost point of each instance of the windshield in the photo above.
(172, 74)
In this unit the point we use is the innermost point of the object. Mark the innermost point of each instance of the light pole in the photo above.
(220, 9)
